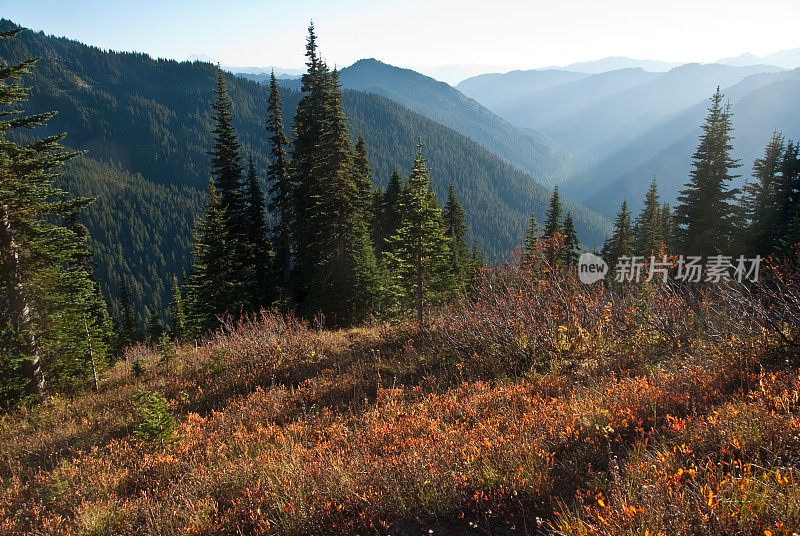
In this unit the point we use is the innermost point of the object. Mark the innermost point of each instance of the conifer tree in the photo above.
(706, 213)
(211, 286)
(455, 229)
(649, 224)
(130, 331)
(788, 200)
(178, 330)
(362, 173)
(335, 258)
(389, 220)
(258, 277)
(155, 328)
(759, 200)
(281, 183)
(418, 256)
(569, 253)
(622, 241)
(530, 245)
(227, 174)
(552, 219)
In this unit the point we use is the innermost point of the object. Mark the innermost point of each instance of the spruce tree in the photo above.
(649, 224)
(455, 229)
(418, 256)
(622, 241)
(362, 173)
(178, 330)
(227, 174)
(211, 286)
(155, 328)
(258, 280)
(552, 219)
(788, 200)
(706, 213)
(280, 183)
(130, 331)
(335, 258)
(389, 220)
(759, 200)
(530, 245)
(569, 253)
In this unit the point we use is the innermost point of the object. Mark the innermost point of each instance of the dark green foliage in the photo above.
(530, 246)
(622, 242)
(706, 214)
(155, 327)
(130, 332)
(759, 200)
(362, 176)
(156, 424)
(552, 219)
(787, 217)
(455, 229)
(335, 260)
(258, 282)
(51, 316)
(669, 231)
(569, 252)
(178, 330)
(386, 210)
(418, 252)
(280, 181)
(211, 290)
(650, 226)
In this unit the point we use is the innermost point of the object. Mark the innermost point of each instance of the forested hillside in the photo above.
(152, 118)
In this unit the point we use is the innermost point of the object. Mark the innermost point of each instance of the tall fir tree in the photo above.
(622, 241)
(280, 183)
(211, 291)
(530, 245)
(649, 224)
(362, 173)
(418, 256)
(258, 280)
(552, 218)
(389, 216)
(335, 259)
(229, 183)
(787, 217)
(759, 199)
(130, 331)
(455, 229)
(569, 252)
(706, 213)
(668, 229)
(155, 327)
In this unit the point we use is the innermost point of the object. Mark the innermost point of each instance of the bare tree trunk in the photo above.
(18, 302)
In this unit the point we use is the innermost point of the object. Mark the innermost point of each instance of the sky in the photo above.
(509, 33)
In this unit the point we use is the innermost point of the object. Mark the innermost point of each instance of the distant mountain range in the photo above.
(280, 72)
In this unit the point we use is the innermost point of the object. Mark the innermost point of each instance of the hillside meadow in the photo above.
(538, 406)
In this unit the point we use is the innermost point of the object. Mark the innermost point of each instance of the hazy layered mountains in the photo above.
(627, 125)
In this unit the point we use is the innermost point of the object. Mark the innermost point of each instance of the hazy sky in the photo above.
(415, 32)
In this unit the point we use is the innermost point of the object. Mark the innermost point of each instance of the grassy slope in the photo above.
(505, 416)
